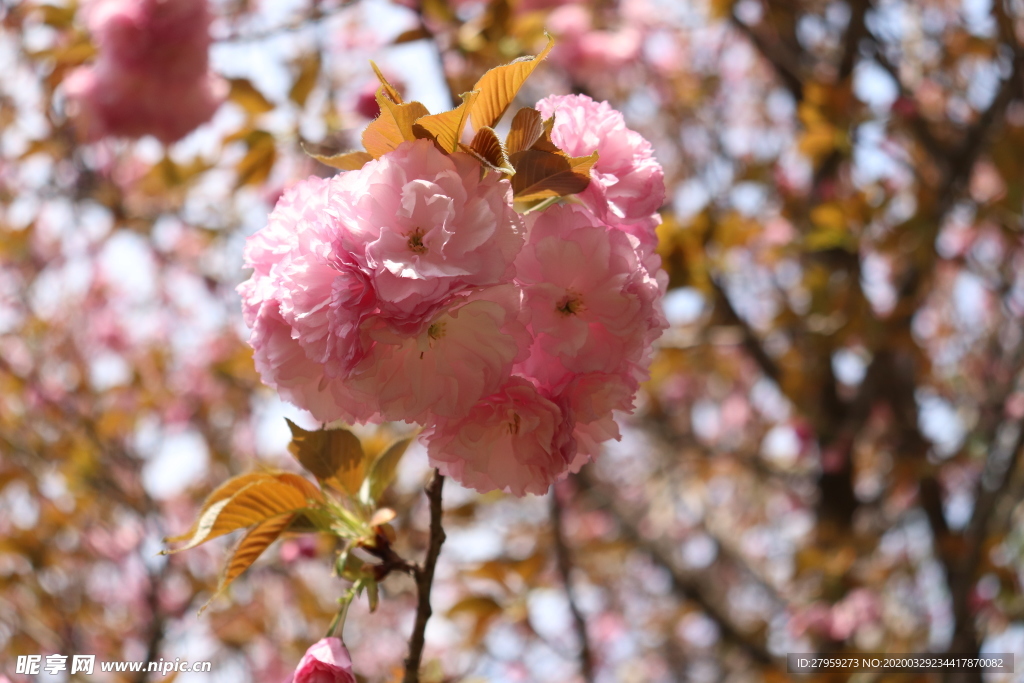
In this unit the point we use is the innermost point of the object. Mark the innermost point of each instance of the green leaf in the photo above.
(385, 467)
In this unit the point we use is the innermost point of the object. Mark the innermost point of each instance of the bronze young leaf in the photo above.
(334, 456)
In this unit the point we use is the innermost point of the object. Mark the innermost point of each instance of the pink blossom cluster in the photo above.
(412, 290)
(151, 76)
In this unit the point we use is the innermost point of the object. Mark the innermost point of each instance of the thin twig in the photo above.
(425, 579)
(565, 571)
(685, 584)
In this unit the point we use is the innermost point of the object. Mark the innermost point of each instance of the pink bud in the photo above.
(326, 661)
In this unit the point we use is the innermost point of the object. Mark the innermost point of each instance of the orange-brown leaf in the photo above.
(389, 90)
(527, 127)
(222, 492)
(393, 126)
(252, 504)
(249, 549)
(346, 161)
(446, 128)
(487, 146)
(333, 456)
(244, 94)
(305, 80)
(541, 174)
(498, 88)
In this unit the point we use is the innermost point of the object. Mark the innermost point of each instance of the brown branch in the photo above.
(425, 579)
(685, 584)
(565, 571)
(784, 64)
(751, 343)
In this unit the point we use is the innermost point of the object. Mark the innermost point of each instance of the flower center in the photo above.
(514, 424)
(571, 304)
(415, 242)
(437, 330)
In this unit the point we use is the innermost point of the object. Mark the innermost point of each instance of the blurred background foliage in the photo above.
(827, 456)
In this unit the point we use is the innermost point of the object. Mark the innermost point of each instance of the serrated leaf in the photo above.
(254, 503)
(498, 88)
(543, 143)
(487, 147)
(249, 549)
(527, 127)
(393, 126)
(446, 128)
(346, 161)
(389, 90)
(305, 81)
(541, 174)
(222, 492)
(244, 94)
(385, 467)
(333, 456)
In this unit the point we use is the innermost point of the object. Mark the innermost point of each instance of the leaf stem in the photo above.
(338, 624)
(424, 580)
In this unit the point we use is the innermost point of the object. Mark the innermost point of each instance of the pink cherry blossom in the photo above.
(627, 183)
(593, 306)
(426, 226)
(379, 291)
(326, 661)
(587, 53)
(517, 440)
(464, 354)
(151, 75)
(589, 399)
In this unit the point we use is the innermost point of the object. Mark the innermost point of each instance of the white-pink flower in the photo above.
(593, 306)
(627, 183)
(394, 282)
(516, 440)
(151, 75)
(465, 353)
(426, 226)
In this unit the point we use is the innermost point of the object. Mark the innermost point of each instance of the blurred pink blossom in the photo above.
(151, 76)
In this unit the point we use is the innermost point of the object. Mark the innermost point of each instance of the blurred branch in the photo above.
(856, 31)
(565, 571)
(424, 580)
(685, 584)
(751, 342)
(316, 15)
(782, 60)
